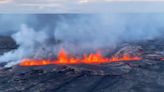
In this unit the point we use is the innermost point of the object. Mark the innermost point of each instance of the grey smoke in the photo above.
(29, 40)
(98, 31)
(37, 34)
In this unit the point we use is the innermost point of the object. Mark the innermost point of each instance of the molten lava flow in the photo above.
(162, 59)
(63, 58)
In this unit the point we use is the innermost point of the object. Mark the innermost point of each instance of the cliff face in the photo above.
(146, 75)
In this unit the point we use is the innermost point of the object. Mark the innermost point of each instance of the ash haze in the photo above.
(36, 34)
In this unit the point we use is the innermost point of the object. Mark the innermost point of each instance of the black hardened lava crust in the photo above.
(146, 75)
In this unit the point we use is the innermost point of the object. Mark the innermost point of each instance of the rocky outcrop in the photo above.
(6, 44)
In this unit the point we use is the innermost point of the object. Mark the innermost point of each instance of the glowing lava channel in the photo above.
(62, 58)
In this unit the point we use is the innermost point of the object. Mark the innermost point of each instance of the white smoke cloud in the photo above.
(28, 40)
(81, 32)
(100, 31)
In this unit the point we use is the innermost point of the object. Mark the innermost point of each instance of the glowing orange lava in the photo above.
(162, 59)
(62, 58)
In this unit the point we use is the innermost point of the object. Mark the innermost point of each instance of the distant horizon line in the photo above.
(113, 7)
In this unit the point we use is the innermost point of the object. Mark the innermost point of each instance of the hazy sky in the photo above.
(65, 6)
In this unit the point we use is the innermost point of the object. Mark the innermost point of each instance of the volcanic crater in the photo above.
(142, 75)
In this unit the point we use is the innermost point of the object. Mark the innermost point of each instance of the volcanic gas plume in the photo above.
(44, 34)
(63, 58)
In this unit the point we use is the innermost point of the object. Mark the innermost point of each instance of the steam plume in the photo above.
(76, 33)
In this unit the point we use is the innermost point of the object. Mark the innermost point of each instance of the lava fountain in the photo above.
(63, 58)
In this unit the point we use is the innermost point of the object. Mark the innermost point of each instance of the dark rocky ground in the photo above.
(6, 44)
(146, 75)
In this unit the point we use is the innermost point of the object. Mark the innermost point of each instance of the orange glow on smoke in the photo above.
(62, 58)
